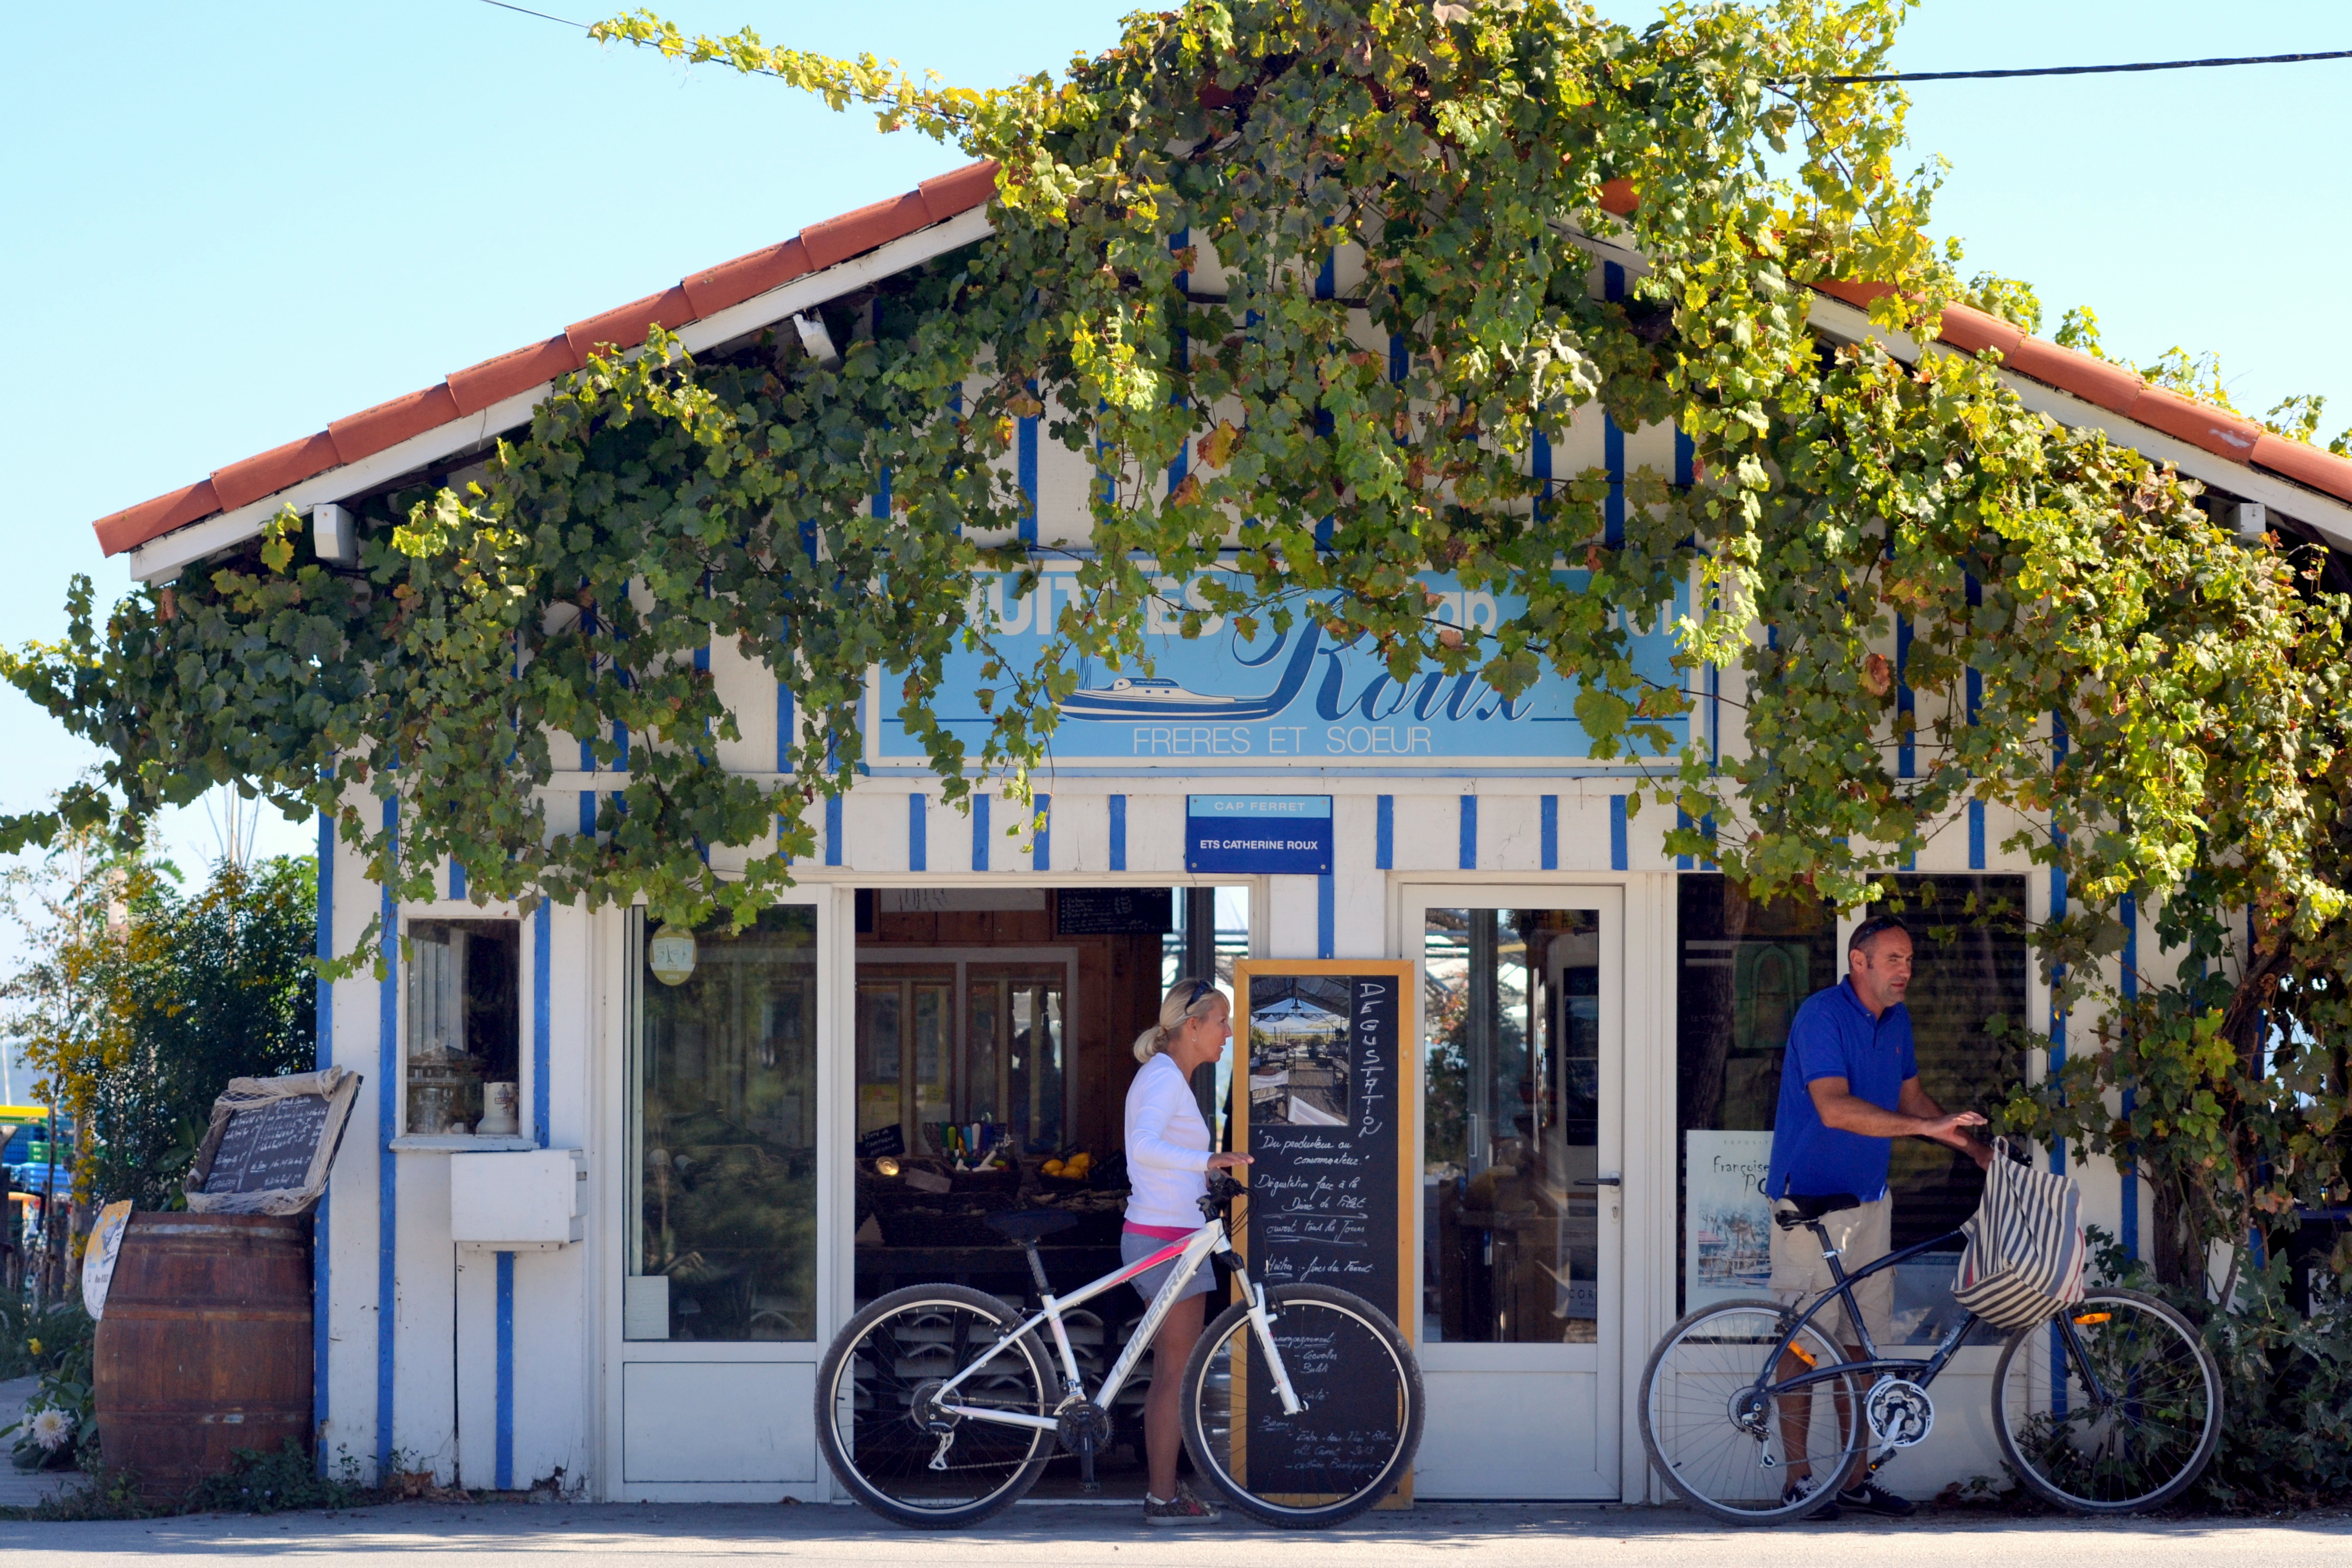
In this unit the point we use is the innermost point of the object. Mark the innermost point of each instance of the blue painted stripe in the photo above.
(1543, 473)
(2129, 914)
(918, 848)
(387, 1198)
(1551, 832)
(456, 880)
(1041, 857)
(1384, 834)
(1399, 358)
(832, 830)
(587, 813)
(506, 1411)
(1686, 461)
(1976, 836)
(1327, 279)
(882, 494)
(2058, 973)
(1026, 465)
(1118, 833)
(1619, 857)
(322, 1249)
(1326, 917)
(1906, 704)
(979, 833)
(621, 739)
(1469, 833)
(542, 987)
(784, 724)
(1612, 458)
(1682, 820)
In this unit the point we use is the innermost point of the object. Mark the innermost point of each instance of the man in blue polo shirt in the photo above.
(1848, 1088)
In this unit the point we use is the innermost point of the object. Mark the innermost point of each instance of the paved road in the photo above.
(1499, 1536)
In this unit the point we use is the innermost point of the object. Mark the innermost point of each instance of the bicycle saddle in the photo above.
(1030, 1226)
(1792, 1212)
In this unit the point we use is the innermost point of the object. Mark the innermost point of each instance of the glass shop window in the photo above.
(723, 1137)
(1015, 1063)
(1511, 1126)
(1745, 968)
(906, 1022)
(465, 1025)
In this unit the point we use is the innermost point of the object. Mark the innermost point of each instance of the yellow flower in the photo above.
(33, 1345)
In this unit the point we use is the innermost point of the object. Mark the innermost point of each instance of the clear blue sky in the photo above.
(226, 226)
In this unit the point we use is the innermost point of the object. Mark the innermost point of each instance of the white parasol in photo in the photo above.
(1292, 1016)
(1305, 1115)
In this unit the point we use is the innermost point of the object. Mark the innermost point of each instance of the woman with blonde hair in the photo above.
(1167, 1165)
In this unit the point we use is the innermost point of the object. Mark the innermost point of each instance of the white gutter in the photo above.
(160, 560)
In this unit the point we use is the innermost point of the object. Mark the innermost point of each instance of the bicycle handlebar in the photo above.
(1222, 1190)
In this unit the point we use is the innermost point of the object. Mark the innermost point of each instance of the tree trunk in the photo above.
(2171, 1238)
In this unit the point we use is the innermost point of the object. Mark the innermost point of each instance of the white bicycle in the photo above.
(939, 1407)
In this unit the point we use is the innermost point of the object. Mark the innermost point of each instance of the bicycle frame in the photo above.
(1189, 1254)
(1873, 1364)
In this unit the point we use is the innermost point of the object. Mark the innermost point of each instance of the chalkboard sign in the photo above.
(881, 1140)
(1328, 1113)
(271, 1142)
(1114, 911)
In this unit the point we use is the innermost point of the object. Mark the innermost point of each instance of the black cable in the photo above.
(1861, 80)
(2071, 71)
(542, 15)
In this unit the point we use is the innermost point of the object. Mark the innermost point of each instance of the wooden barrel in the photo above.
(206, 1345)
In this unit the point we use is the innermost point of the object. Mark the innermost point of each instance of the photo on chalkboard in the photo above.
(1299, 1072)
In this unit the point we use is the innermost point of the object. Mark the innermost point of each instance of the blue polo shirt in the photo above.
(1833, 1035)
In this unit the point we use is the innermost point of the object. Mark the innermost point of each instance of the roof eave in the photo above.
(161, 559)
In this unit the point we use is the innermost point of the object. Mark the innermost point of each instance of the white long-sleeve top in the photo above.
(1167, 1148)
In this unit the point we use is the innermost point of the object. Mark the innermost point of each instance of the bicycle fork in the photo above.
(1262, 1325)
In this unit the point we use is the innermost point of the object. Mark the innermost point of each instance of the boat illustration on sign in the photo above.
(1146, 696)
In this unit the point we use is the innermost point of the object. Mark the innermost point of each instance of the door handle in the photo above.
(1601, 1181)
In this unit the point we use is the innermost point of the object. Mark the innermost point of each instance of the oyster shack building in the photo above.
(720, 1147)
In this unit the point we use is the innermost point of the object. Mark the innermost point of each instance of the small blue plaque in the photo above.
(1261, 834)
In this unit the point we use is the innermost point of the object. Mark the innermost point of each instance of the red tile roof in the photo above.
(2118, 390)
(700, 295)
(821, 244)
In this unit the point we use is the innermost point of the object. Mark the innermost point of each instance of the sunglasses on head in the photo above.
(1200, 988)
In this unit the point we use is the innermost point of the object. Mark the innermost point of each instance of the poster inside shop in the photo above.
(1272, 698)
(1727, 1223)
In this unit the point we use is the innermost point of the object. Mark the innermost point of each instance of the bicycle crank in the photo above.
(1900, 1412)
(1083, 1428)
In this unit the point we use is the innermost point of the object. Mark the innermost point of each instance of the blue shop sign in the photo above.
(1275, 700)
(1258, 835)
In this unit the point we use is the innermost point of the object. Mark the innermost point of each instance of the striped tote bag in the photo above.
(2023, 1259)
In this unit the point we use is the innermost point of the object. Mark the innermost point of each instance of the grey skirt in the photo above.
(1133, 1248)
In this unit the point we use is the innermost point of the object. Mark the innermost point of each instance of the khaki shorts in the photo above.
(1800, 1273)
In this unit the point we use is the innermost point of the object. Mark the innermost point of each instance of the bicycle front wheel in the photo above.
(1350, 1446)
(877, 1415)
(1724, 1442)
(2146, 1433)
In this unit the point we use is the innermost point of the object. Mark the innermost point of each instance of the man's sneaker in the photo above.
(1795, 1491)
(1186, 1510)
(1872, 1498)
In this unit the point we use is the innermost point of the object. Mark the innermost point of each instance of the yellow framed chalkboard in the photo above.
(1327, 1094)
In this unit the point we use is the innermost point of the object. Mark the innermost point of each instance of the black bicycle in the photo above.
(2112, 1406)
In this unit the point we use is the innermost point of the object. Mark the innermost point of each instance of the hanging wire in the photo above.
(2072, 70)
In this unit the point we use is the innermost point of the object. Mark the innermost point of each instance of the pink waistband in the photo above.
(1161, 1232)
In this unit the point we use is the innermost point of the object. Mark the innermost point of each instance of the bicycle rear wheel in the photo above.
(877, 1422)
(2141, 1447)
(1347, 1450)
(1714, 1435)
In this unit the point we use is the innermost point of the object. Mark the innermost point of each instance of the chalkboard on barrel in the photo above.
(1326, 1112)
(271, 1142)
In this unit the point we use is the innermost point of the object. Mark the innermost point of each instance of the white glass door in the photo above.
(1521, 1160)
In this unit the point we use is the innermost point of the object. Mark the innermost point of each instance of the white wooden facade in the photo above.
(505, 1368)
